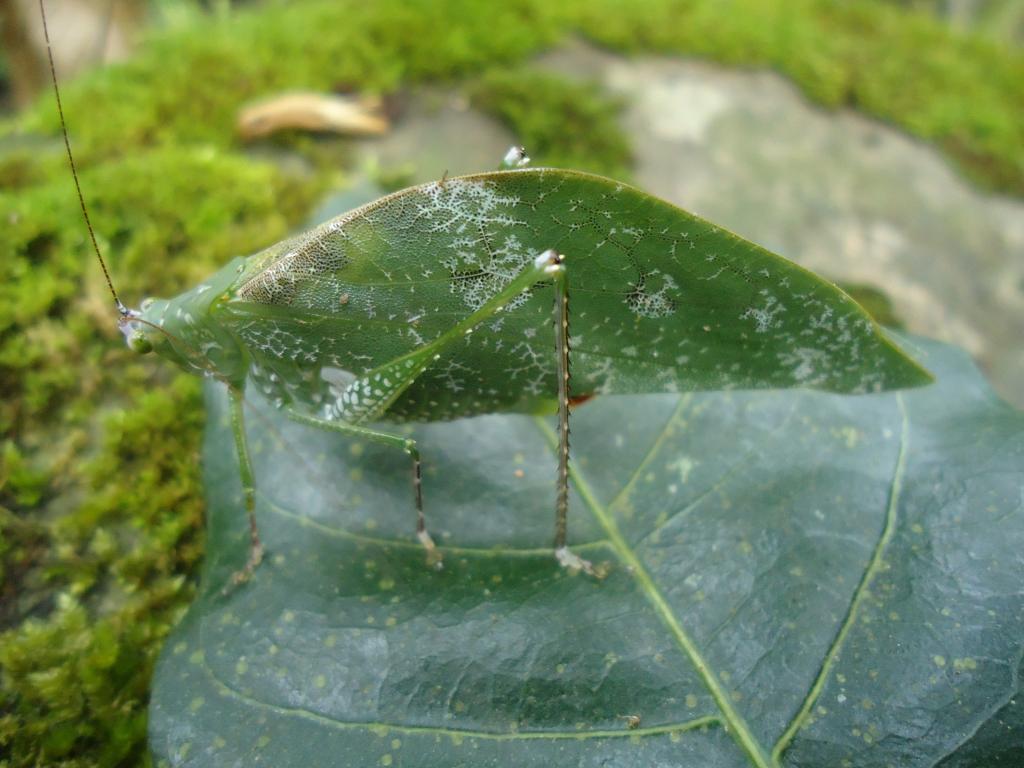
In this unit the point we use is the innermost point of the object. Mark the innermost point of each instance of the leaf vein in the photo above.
(305, 714)
(342, 533)
(731, 718)
(860, 594)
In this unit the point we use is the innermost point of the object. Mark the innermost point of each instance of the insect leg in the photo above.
(248, 488)
(562, 553)
(406, 444)
(368, 398)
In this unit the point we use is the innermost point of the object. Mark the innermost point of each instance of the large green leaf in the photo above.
(812, 579)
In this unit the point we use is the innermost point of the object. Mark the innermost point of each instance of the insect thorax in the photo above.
(187, 331)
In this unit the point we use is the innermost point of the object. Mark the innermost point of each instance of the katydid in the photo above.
(435, 303)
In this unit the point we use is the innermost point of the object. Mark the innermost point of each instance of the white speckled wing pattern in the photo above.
(661, 300)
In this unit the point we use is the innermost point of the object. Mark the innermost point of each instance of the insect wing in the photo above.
(661, 300)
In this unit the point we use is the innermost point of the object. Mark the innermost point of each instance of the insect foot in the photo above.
(575, 563)
(435, 559)
(241, 576)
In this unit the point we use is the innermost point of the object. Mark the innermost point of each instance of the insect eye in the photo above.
(138, 342)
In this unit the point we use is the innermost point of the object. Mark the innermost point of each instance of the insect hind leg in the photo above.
(434, 558)
(566, 558)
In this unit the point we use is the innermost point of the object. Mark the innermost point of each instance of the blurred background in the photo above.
(864, 201)
(880, 143)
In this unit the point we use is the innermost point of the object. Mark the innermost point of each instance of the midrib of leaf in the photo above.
(860, 594)
(731, 718)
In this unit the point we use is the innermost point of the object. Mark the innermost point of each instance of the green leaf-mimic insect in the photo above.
(435, 303)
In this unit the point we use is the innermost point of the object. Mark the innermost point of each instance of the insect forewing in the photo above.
(662, 300)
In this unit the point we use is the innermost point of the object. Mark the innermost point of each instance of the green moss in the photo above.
(961, 91)
(99, 476)
(561, 123)
(100, 498)
(1001, 20)
(206, 72)
(53, 302)
(75, 681)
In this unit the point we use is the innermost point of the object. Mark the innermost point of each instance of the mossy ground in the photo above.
(100, 498)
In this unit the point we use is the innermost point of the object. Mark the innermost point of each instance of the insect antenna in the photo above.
(121, 308)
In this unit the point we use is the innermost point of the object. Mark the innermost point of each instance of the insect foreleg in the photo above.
(406, 444)
(248, 487)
